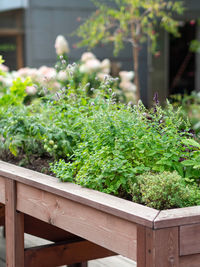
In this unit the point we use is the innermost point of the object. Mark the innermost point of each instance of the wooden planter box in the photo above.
(86, 224)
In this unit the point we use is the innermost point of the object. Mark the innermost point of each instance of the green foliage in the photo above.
(190, 108)
(21, 131)
(119, 142)
(129, 21)
(1, 62)
(164, 190)
(17, 92)
(88, 79)
(194, 46)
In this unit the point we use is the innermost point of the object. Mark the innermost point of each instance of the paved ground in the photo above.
(30, 241)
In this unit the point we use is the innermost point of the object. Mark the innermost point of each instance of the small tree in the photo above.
(131, 21)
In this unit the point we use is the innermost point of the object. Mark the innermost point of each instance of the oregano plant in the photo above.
(132, 21)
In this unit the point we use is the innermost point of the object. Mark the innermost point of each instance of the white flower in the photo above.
(105, 66)
(31, 90)
(93, 65)
(4, 68)
(87, 56)
(126, 75)
(62, 75)
(127, 86)
(83, 69)
(61, 45)
(46, 72)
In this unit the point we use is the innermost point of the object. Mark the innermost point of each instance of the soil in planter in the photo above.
(35, 163)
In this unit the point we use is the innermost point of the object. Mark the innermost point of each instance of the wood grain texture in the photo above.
(45, 230)
(190, 261)
(162, 248)
(19, 43)
(150, 250)
(104, 202)
(177, 217)
(96, 226)
(2, 190)
(64, 253)
(14, 228)
(189, 239)
(141, 246)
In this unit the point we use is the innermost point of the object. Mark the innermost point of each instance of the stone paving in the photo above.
(31, 241)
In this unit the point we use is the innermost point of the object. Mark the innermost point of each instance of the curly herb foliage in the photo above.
(164, 190)
(119, 142)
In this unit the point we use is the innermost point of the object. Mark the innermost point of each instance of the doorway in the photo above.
(182, 61)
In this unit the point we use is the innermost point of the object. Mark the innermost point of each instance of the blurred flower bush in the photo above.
(88, 71)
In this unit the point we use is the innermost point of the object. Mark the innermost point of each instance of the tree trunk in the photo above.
(136, 71)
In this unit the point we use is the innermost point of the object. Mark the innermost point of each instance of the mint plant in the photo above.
(119, 142)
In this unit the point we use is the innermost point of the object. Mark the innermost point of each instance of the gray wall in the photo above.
(47, 18)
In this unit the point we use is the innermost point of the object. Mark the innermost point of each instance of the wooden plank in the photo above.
(190, 261)
(2, 190)
(141, 246)
(189, 239)
(149, 253)
(19, 43)
(10, 32)
(64, 253)
(119, 207)
(14, 228)
(162, 248)
(177, 217)
(45, 230)
(96, 226)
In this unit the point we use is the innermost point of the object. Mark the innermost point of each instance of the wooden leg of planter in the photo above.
(141, 246)
(162, 247)
(158, 247)
(82, 264)
(14, 222)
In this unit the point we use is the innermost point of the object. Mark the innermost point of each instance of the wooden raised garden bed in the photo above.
(86, 224)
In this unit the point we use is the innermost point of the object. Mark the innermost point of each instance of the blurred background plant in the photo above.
(133, 22)
(88, 71)
(190, 106)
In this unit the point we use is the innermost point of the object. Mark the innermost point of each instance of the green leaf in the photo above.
(188, 162)
(190, 142)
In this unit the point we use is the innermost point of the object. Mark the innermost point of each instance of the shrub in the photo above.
(164, 190)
